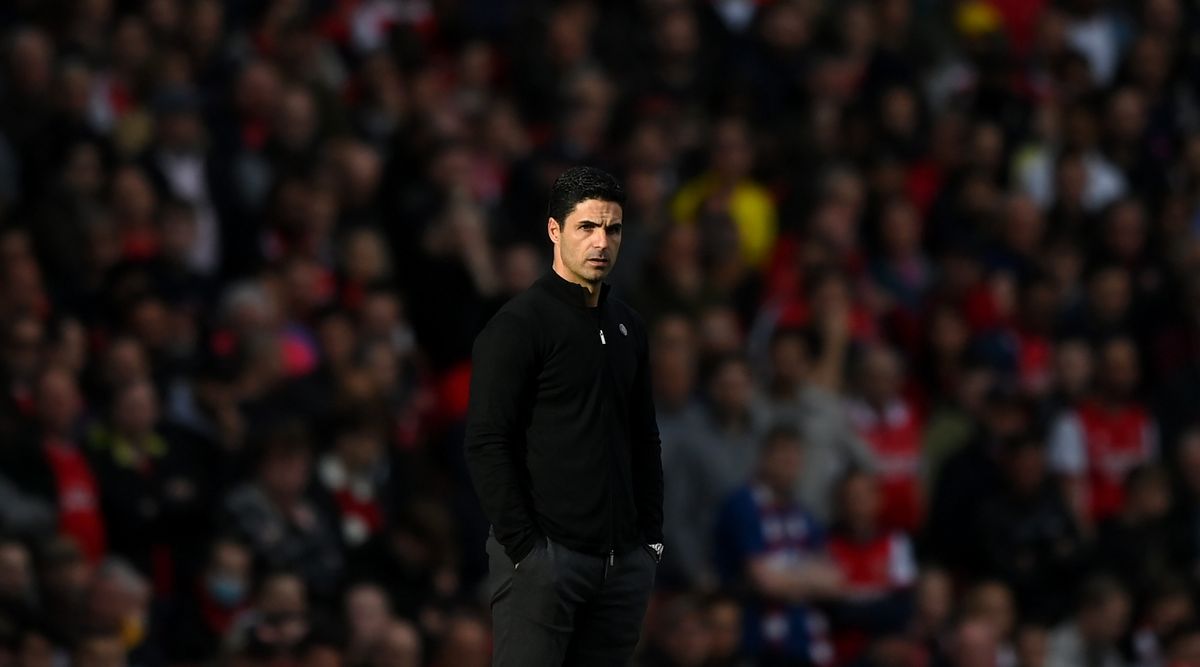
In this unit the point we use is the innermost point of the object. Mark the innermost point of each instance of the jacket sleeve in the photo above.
(503, 370)
(647, 450)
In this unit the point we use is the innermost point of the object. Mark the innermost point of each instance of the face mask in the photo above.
(227, 591)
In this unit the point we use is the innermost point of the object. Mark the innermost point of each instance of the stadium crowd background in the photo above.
(950, 248)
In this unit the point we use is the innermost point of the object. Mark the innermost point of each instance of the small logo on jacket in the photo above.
(624, 331)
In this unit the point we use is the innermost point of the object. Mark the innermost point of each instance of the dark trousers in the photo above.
(562, 608)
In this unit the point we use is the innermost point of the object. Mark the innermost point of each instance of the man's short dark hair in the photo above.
(579, 184)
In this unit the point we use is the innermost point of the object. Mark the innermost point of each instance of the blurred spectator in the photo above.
(1145, 521)
(35, 648)
(100, 650)
(207, 613)
(1094, 445)
(1183, 647)
(892, 427)
(275, 515)
(18, 586)
(771, 546)
(674, 367)
(414, 562)
(973, 643)
(1031, 646)
(1167, 609)
(368, 620)
(277, 624)
(673, 279)
(50, 468)
(803, 388)
(723, 615)
(465, 642)
(1093, 633)
(933, 607)
(64, 578)
(119, 602)
(678, 638)
(902, 270)
(991, 603)
(878, 566)
(725, 203)
(717, 455)
(357, 474)
(152, 489)
(400, 646)
(1186, 544)
(1029, 535)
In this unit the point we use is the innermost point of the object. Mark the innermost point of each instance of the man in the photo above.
(279, 518)
(1093, 636)
(710, 462)
(892, 427)
(804, 388)
(1096, 444)
(769, 545)
(563, 448)
(1025, 531)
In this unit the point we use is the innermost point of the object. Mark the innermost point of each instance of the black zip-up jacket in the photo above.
(561, 439)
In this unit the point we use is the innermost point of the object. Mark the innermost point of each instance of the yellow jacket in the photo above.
(750, 207)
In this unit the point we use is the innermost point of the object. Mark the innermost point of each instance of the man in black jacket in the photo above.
(563, 448)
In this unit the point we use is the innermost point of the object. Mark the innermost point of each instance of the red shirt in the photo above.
(872, 568)
(79, 514)
(1101, 444)
(895, 438)
(1117, 441)
(875, 566)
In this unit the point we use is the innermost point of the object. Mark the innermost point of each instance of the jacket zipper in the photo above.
(604, 375)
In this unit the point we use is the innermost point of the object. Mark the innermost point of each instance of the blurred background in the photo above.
(928, 271)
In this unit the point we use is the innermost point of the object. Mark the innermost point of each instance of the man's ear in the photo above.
(553, 229)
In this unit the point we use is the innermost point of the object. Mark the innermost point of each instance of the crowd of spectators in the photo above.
(923, 279)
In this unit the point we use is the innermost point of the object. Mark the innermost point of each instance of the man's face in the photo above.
(58, 401)
(285, 474)
(731, 388)
(724, 627)
(16, 574)
(860, 499)
(789, 357)
(588, 240)
(367, 613)
(101, 652)
(1119, 366)
(781, 465)
(232, 561)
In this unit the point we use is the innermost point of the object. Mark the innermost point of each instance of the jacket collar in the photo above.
(569, 292)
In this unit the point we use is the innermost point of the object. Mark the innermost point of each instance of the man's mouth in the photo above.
(599, 261)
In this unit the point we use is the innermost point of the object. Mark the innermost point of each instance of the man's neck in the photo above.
(592, 289)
